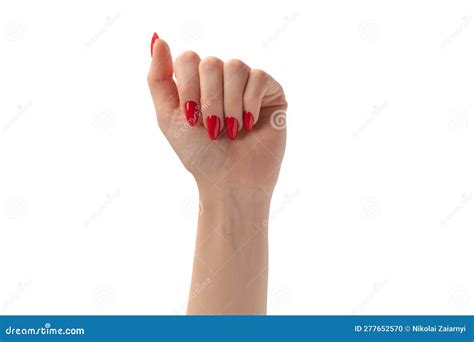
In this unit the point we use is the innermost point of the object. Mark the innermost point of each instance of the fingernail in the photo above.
(231, 127)
(248, 121)
(192, 112)
(213, 126)
(153, 39)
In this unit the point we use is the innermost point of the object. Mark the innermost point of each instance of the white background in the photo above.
(373, 212)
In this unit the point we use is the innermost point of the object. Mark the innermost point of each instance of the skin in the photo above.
(235, 178)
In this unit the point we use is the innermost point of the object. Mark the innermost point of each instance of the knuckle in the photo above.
(258, 74)
(187, 57)
(235, 65)
(210, 63)
(149, 79)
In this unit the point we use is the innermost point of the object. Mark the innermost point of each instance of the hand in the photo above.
(202, 116)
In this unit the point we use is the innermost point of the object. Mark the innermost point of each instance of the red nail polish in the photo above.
(155, 37)
(213, 126)
(192, 112)
(231, 127)
(248, 121)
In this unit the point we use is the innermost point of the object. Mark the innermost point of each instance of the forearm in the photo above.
(231, 258)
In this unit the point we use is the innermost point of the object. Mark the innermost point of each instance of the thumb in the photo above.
(160, 80)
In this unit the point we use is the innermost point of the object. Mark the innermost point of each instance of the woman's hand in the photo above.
(226, 122)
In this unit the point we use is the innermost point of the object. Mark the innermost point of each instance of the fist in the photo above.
(225, 120)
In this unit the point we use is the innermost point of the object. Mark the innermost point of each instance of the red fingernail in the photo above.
(248, 121)
(231, 127)
(213, 126)
(155, 37)
(192, 112)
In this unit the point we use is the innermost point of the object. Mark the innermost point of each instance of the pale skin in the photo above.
(235, 178)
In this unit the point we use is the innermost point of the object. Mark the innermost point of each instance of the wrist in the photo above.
(238, 209)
